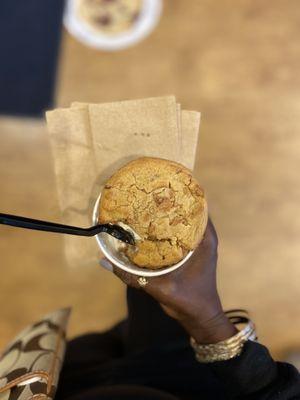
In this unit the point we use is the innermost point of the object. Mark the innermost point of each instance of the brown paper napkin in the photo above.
(91, 141)
(190, 123)
(76, 177)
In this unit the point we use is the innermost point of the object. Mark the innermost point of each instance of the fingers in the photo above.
(126, 277)
(205, 251)
(106, 264)
(151, 287)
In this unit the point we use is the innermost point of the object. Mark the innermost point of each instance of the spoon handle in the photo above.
(29, 223)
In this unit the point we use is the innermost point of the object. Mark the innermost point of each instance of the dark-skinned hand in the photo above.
(189, 294)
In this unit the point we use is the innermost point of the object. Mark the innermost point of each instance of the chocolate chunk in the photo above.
(135, 16)
(104, 20)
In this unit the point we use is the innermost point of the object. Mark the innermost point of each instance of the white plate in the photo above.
(107, 245)
(144, 25)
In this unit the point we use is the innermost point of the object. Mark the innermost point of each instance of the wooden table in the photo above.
(237, 62)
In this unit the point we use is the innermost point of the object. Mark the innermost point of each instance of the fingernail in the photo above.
(106, 264)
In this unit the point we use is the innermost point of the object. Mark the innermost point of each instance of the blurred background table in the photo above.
(239, 64)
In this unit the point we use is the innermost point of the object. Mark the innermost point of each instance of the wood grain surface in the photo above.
(236, 62)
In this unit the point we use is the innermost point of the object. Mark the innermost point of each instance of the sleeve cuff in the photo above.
(248, 373)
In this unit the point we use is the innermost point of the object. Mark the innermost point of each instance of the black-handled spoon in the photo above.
(21, 222)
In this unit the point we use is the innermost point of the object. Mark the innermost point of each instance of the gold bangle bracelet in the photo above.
(229, 348)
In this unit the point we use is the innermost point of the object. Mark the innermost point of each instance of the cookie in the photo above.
(109, 16)
(163, 203)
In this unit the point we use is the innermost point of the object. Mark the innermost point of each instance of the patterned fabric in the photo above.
(30, 366)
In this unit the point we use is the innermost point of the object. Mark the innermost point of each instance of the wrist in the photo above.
(210, 329)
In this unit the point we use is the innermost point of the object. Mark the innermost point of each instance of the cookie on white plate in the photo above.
(109, 16)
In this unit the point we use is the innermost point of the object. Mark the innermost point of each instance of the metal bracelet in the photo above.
(229, 348)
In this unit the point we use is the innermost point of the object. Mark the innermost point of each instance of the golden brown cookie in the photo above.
(109, 16)
(162, 202)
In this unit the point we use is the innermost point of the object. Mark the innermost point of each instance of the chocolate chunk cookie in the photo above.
(109, 16)
(162, 202)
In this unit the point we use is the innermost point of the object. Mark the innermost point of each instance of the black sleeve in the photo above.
(255, 375)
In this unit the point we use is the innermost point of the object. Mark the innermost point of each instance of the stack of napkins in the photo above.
(91, 141)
